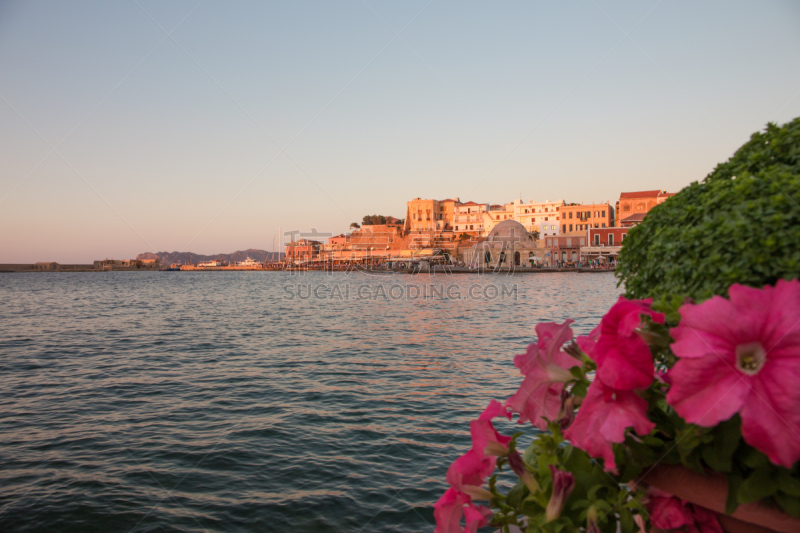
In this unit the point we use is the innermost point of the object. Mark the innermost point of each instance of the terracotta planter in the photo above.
(711, 492)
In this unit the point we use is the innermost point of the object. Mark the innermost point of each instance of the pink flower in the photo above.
(604, 416)
(485, 438)
(563, 483)
(587, 343)
(468, 472)
(455, 505)
(623, 359)
(669, 512)
(546, 369)
(743, 356)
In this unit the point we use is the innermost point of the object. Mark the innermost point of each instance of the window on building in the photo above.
(470, 226)
(570, 214)
(582, 241)
(570, 227)
(604, 212)
(596, 239)
(604, 224)
(564, 228)
(611, 239)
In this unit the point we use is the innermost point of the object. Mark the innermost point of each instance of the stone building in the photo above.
(508, 245)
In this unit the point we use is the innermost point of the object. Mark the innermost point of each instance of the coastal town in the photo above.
(457, 234)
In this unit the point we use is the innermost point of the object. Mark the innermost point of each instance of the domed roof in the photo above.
(508, 231)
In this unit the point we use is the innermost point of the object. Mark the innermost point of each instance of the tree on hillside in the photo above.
(371, 220)
(355, 225)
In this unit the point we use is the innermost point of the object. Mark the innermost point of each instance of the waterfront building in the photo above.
(447, 208)
(580, 217)
(544, 217)
(507, 245)
(633, 206)
(469, 220)
(495, 215)
(302, 251)
(565, 248)
(603, 243)
(423, 215)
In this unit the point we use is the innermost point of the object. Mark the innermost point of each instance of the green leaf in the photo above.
(516, 495)
(759, 485)
(626, 520)
(531, 508)
(719, 455)
(790, 504)
(577, 372)
(755, 459)
(580, 388)
(788, 484)
(734, 482)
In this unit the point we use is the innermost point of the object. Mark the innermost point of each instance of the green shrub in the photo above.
(741, 224)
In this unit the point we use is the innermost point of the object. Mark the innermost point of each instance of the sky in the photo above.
(209, 126)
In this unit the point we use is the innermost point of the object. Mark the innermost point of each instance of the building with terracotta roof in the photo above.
(468, 219)
(447, 208)
(638, 203)
(581, 217)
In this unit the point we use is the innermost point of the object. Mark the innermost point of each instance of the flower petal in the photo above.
(707, 390)
(770, 419)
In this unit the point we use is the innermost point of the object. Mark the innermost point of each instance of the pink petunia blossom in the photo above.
(604, 416)
(742, 355)
(546, 369)
(668, 512)
(455, 505)
(587, 343)
(623, 359)
(485, 438)
(468, 472)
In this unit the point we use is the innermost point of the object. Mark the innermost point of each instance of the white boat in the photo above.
(248, 263)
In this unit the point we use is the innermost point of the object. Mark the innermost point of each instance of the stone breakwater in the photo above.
(11, 268)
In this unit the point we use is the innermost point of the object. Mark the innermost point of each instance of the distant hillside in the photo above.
(167, 258)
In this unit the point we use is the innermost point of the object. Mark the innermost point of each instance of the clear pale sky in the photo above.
(252, 116)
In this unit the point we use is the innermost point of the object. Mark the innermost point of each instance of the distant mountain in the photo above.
(167, 258)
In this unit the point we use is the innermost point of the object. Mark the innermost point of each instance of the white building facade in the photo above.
(543, 217)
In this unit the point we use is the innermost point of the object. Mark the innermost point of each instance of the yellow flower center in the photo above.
(750, 358)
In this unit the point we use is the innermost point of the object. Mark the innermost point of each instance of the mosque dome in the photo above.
(508, 231)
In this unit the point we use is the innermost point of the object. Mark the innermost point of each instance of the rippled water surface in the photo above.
(215, 401)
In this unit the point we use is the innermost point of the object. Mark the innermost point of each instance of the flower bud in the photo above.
(567, 414)
(563, 483)
(591, 520)
(517, 464)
